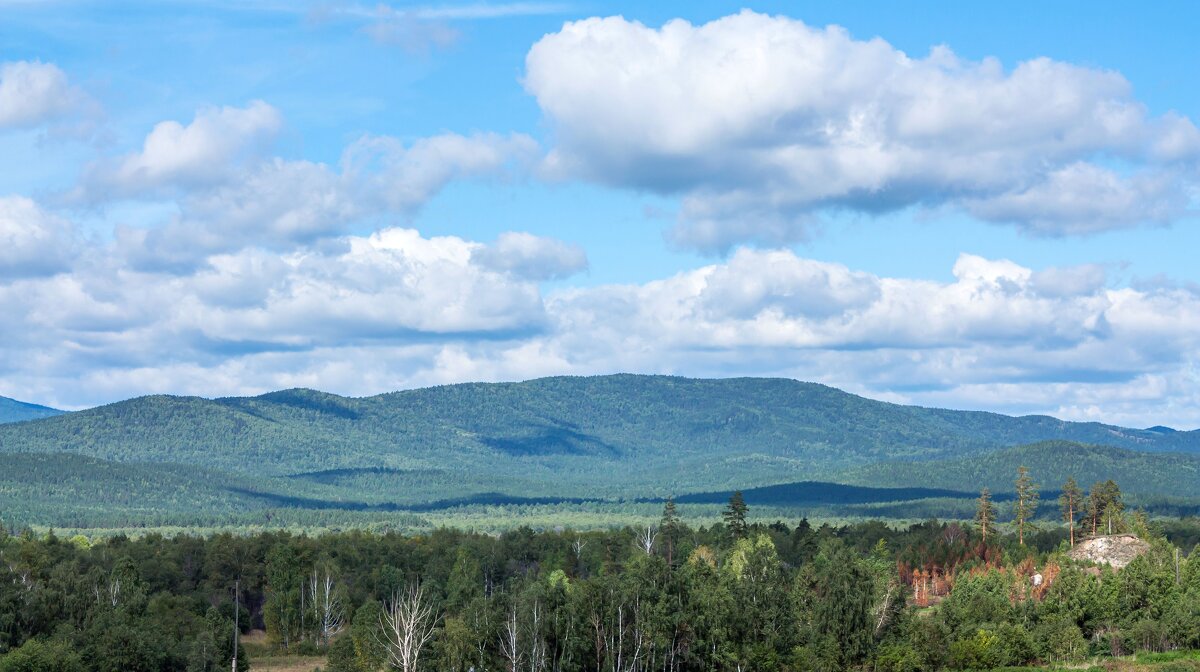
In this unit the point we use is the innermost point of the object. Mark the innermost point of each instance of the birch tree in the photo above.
(328, 613)
(645, 539)
(510, 642)
(407, 625)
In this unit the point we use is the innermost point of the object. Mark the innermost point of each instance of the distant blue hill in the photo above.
(12, 410)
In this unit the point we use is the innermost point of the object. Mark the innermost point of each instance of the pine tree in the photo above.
(1070, 499)
(985, 515)
(735, 515)
(669, 528)
(1027, 501)
(1104, 505)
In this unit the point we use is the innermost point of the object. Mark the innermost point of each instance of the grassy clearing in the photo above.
(490, 520)
(287, 664)
(1171, 661)
(264, 657)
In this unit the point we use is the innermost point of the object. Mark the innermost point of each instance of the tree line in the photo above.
(738, 595)
(1100, 511)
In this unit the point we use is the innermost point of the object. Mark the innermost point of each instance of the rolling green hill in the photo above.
(73, 491)
(609, 438)
(80, 489)
(12, 410)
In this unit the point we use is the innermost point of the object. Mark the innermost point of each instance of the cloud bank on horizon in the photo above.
(206, 254)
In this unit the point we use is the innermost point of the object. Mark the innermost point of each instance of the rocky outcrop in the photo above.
(1116, 550)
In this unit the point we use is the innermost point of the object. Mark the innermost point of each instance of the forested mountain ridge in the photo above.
(652, 434)
(610, 439)
(12, 410)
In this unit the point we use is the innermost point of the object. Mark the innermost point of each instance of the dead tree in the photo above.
(407, 624)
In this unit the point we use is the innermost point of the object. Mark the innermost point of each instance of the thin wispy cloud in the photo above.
(421, 29)
(467, 12)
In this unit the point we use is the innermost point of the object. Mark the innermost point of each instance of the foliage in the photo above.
(1027, 501)
(1141, 471)
(782, 598)
(985, 514)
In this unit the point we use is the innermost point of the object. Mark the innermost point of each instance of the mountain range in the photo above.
(605, 438)
(12, 410)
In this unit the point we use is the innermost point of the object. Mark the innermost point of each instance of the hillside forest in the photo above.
(501, 455)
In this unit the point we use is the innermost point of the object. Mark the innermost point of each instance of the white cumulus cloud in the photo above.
(32, 241)
(396, 309)
(174, 155)
(533, 257)
(229, 193)
(32, 93)
(760, 121)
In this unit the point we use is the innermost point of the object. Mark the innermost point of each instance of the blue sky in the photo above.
(948, 204)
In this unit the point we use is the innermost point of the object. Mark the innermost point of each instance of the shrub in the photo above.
(39, 656)
(1059, 640)
(982, 651)
(901, 657)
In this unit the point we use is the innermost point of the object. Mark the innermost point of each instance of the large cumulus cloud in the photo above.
(760, 121)
(391, 289)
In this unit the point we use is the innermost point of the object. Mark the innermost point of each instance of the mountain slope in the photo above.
(12, 410)
(75, 491)
(609, 436)
(1051, 463)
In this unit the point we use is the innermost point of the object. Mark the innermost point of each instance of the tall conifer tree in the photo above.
(1071, 500)
(735, 515)
(1027, 501)
(985, 513)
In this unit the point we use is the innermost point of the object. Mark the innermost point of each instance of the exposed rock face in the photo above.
(1117, 550)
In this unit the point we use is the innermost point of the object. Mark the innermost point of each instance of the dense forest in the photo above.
(1161, 474)
(731, 596)
(319, 460)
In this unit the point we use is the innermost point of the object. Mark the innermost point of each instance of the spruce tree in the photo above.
(1027, 501)
(1104, 506)
(669, 528)
(735, 515)
(985, 513)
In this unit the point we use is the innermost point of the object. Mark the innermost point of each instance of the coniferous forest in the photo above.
(736, 595)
